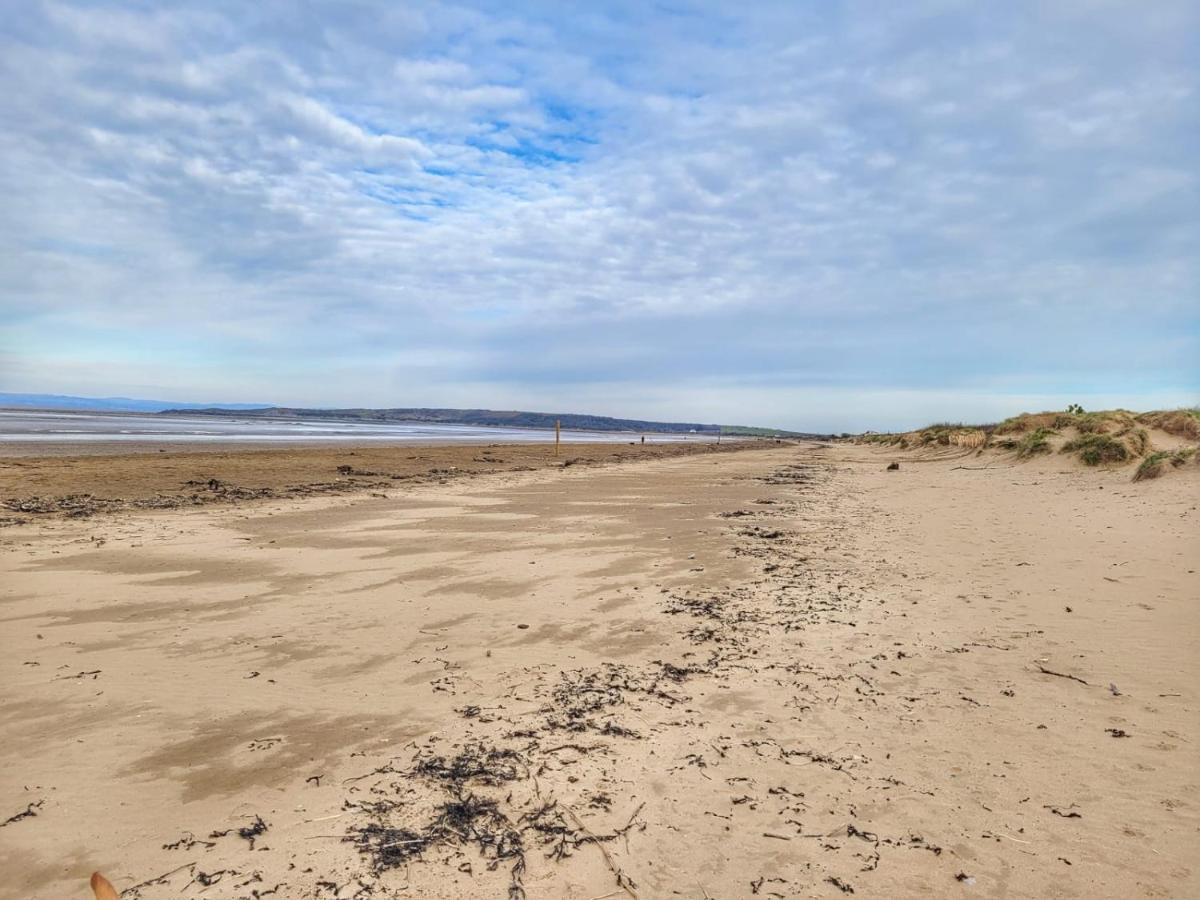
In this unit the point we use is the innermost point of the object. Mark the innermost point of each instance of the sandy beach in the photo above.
(782, 672)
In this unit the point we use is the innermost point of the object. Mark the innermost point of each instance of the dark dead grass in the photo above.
(1183, 423)
(942, 434)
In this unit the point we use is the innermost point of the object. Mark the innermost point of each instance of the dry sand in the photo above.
(779, 673)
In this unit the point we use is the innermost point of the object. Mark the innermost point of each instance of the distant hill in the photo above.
(510, 418)
(754, 431)
(112, 404)
(492, 417)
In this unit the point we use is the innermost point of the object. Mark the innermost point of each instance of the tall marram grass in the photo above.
(1154, 464)
(1095, 449)
(1032, 444)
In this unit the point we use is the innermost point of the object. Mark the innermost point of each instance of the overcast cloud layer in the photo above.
(814, 215)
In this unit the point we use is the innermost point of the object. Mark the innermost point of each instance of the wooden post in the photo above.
(557, 430)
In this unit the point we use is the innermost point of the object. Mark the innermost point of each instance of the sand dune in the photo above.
(778, 673)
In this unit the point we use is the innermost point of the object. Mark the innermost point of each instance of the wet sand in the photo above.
(77, 478)
(778, 673)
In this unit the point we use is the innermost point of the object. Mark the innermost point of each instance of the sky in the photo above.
(816, 215)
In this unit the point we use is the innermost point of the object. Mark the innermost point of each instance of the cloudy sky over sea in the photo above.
(802, 214)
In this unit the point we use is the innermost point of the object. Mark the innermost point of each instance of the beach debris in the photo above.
(1046, 671)
(249, 833)
(1112, 689)
(497, 790)
(29, 812)
(187, 842)
(501, 795)
(134, 892)
(893, 467)
(1118, 732)
(1068, 813)
(468, 814)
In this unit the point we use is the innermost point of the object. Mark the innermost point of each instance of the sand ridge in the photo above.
(784, 673)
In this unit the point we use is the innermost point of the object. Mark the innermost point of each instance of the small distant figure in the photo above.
(643, 439)
(894, 467)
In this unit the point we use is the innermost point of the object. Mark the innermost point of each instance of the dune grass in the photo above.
(1030, 422)
(1099, 437)
(1098, 422)
(941, 434)
(1098, 449)
(1032, 444)
(1155, 464)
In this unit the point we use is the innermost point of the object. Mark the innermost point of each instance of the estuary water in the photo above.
(26, 427)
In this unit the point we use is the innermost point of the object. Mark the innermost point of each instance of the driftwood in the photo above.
(1046, 671)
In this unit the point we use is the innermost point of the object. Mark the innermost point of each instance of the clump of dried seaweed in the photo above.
(466, 815)
(460, 818)
(580, 695)
(476, 762)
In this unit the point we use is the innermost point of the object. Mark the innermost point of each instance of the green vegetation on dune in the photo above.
(1095, 449)
(1097, 422)
(1032, 444)
(1154, 464)
(1099, 437)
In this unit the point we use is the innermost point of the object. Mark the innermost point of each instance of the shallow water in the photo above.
(24, 427)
